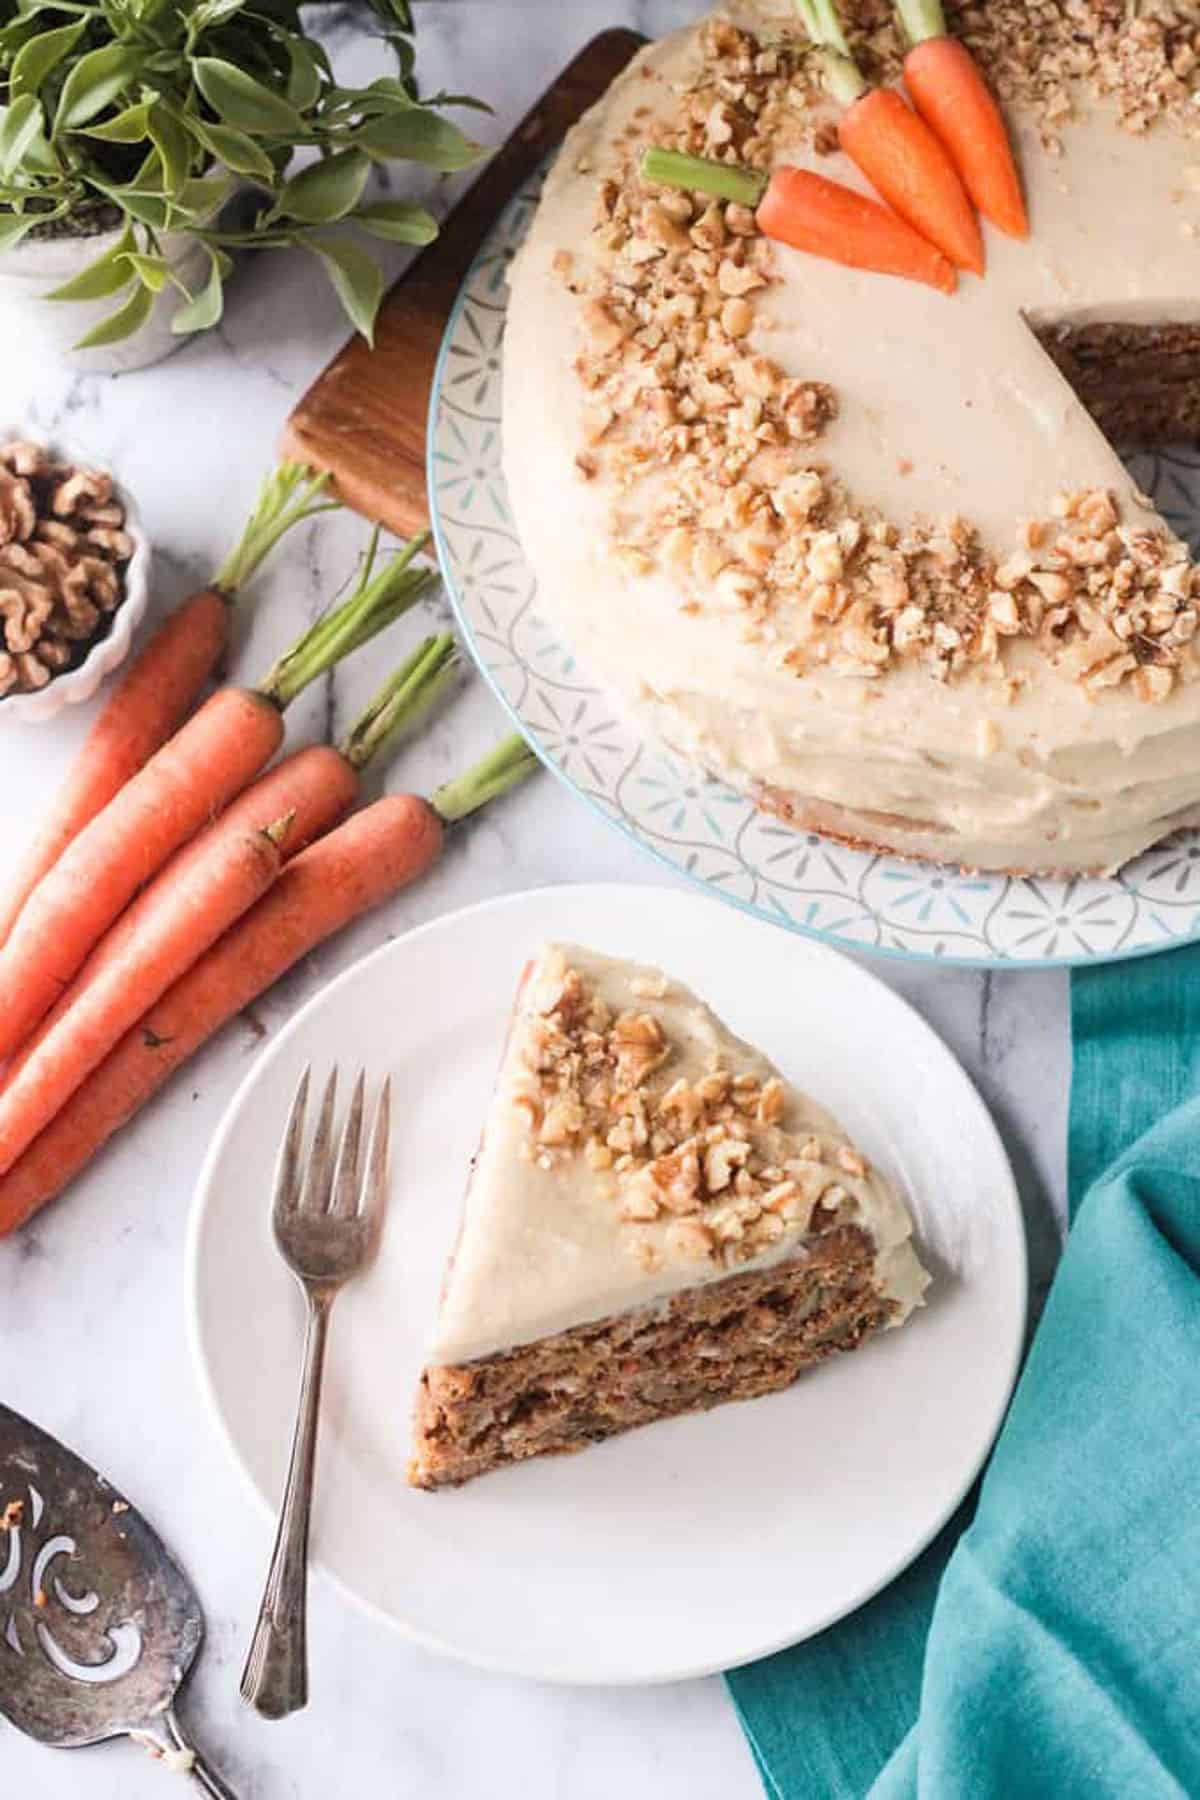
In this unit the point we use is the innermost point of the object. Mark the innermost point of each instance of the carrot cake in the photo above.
(655, 1223)
(863, 550)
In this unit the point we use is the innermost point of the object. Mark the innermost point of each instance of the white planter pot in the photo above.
(52, 327)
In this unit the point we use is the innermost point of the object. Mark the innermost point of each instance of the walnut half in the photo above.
(63, 555)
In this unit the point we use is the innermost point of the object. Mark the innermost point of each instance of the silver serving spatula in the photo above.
(99, 1625)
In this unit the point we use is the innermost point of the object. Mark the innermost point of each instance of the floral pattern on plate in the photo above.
(697, 825)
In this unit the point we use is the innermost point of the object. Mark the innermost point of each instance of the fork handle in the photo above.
(275, 1679)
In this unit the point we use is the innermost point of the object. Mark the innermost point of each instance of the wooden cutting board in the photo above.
(364, 418)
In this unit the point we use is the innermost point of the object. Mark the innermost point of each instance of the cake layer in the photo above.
(837, 538)
(1141, 383)
(734, 1339)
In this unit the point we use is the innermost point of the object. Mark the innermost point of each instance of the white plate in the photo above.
(691, 1545)
(717, 837)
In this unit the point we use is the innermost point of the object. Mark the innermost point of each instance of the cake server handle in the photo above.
(205, 1777)
(165, 1737)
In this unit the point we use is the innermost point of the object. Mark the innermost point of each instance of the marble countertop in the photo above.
(92, 1336)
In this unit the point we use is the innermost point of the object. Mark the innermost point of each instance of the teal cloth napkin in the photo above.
(1048, 1643)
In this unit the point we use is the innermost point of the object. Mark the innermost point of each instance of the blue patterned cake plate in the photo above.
(796, 879)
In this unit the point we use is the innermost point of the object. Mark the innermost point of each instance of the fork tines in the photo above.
(334, 1179)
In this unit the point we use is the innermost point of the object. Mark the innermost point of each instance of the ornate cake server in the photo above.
(99, 1626)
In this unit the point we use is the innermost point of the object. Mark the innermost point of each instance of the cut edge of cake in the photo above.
(655, 1223)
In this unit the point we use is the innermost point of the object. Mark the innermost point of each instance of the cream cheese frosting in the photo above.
(556, 1235)
(945, 406)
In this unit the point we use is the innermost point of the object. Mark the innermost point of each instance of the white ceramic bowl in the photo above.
(82, 683)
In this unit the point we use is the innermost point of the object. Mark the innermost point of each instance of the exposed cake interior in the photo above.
(656, 1222)
(1141, 383)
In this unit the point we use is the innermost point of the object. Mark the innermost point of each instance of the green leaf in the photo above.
(390, 88)
(151, 271)
(203, 194)
(204, 308)
(13, 227)
(418, 136)
(173, 146)
(243, 102)
(442, 98)
(95, 82)
(213, 12)
(398, 220)
(17, 32)
(21, 124)
(108, 274)
(356, 277)
(326, 190)
(147, 178)
(123, 323)
(128, 127)
(304, 79)
(34, 60)
(144, 205)
(233, 148)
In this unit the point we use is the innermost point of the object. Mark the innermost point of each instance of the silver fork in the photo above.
(327, 1219)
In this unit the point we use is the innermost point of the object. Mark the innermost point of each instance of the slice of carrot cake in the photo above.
(656, 1222)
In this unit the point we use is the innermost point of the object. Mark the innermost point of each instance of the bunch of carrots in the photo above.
(175, 881)
(937, 163)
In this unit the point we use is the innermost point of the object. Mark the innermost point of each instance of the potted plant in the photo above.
(127, 125)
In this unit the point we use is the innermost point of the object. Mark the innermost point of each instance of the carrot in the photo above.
(151, 702)
(950, 93)
(375, 854)
(812, 213)
(313, 789)
(905, 163)
(191, 779)
(178, 923)
(895, 149)
(161, 686)
(230, 739)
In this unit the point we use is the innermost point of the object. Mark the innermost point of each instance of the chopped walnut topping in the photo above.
(692, 1240)
(1145, 58)
(702, 1159)
(747, 523)
(12, 1515)
(771, 1102)
(666, 328)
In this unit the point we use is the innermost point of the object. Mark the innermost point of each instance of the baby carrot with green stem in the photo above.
(372, 856)
(187, 907)
(894, 148)
(164, 681)
(949, 91)
(809, 212)
(188, 782)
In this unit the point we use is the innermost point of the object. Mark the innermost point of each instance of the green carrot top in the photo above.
(290, 494)
(704, 175)
(843, 77)
(403, 701)
(378, 598)
(922, 19)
